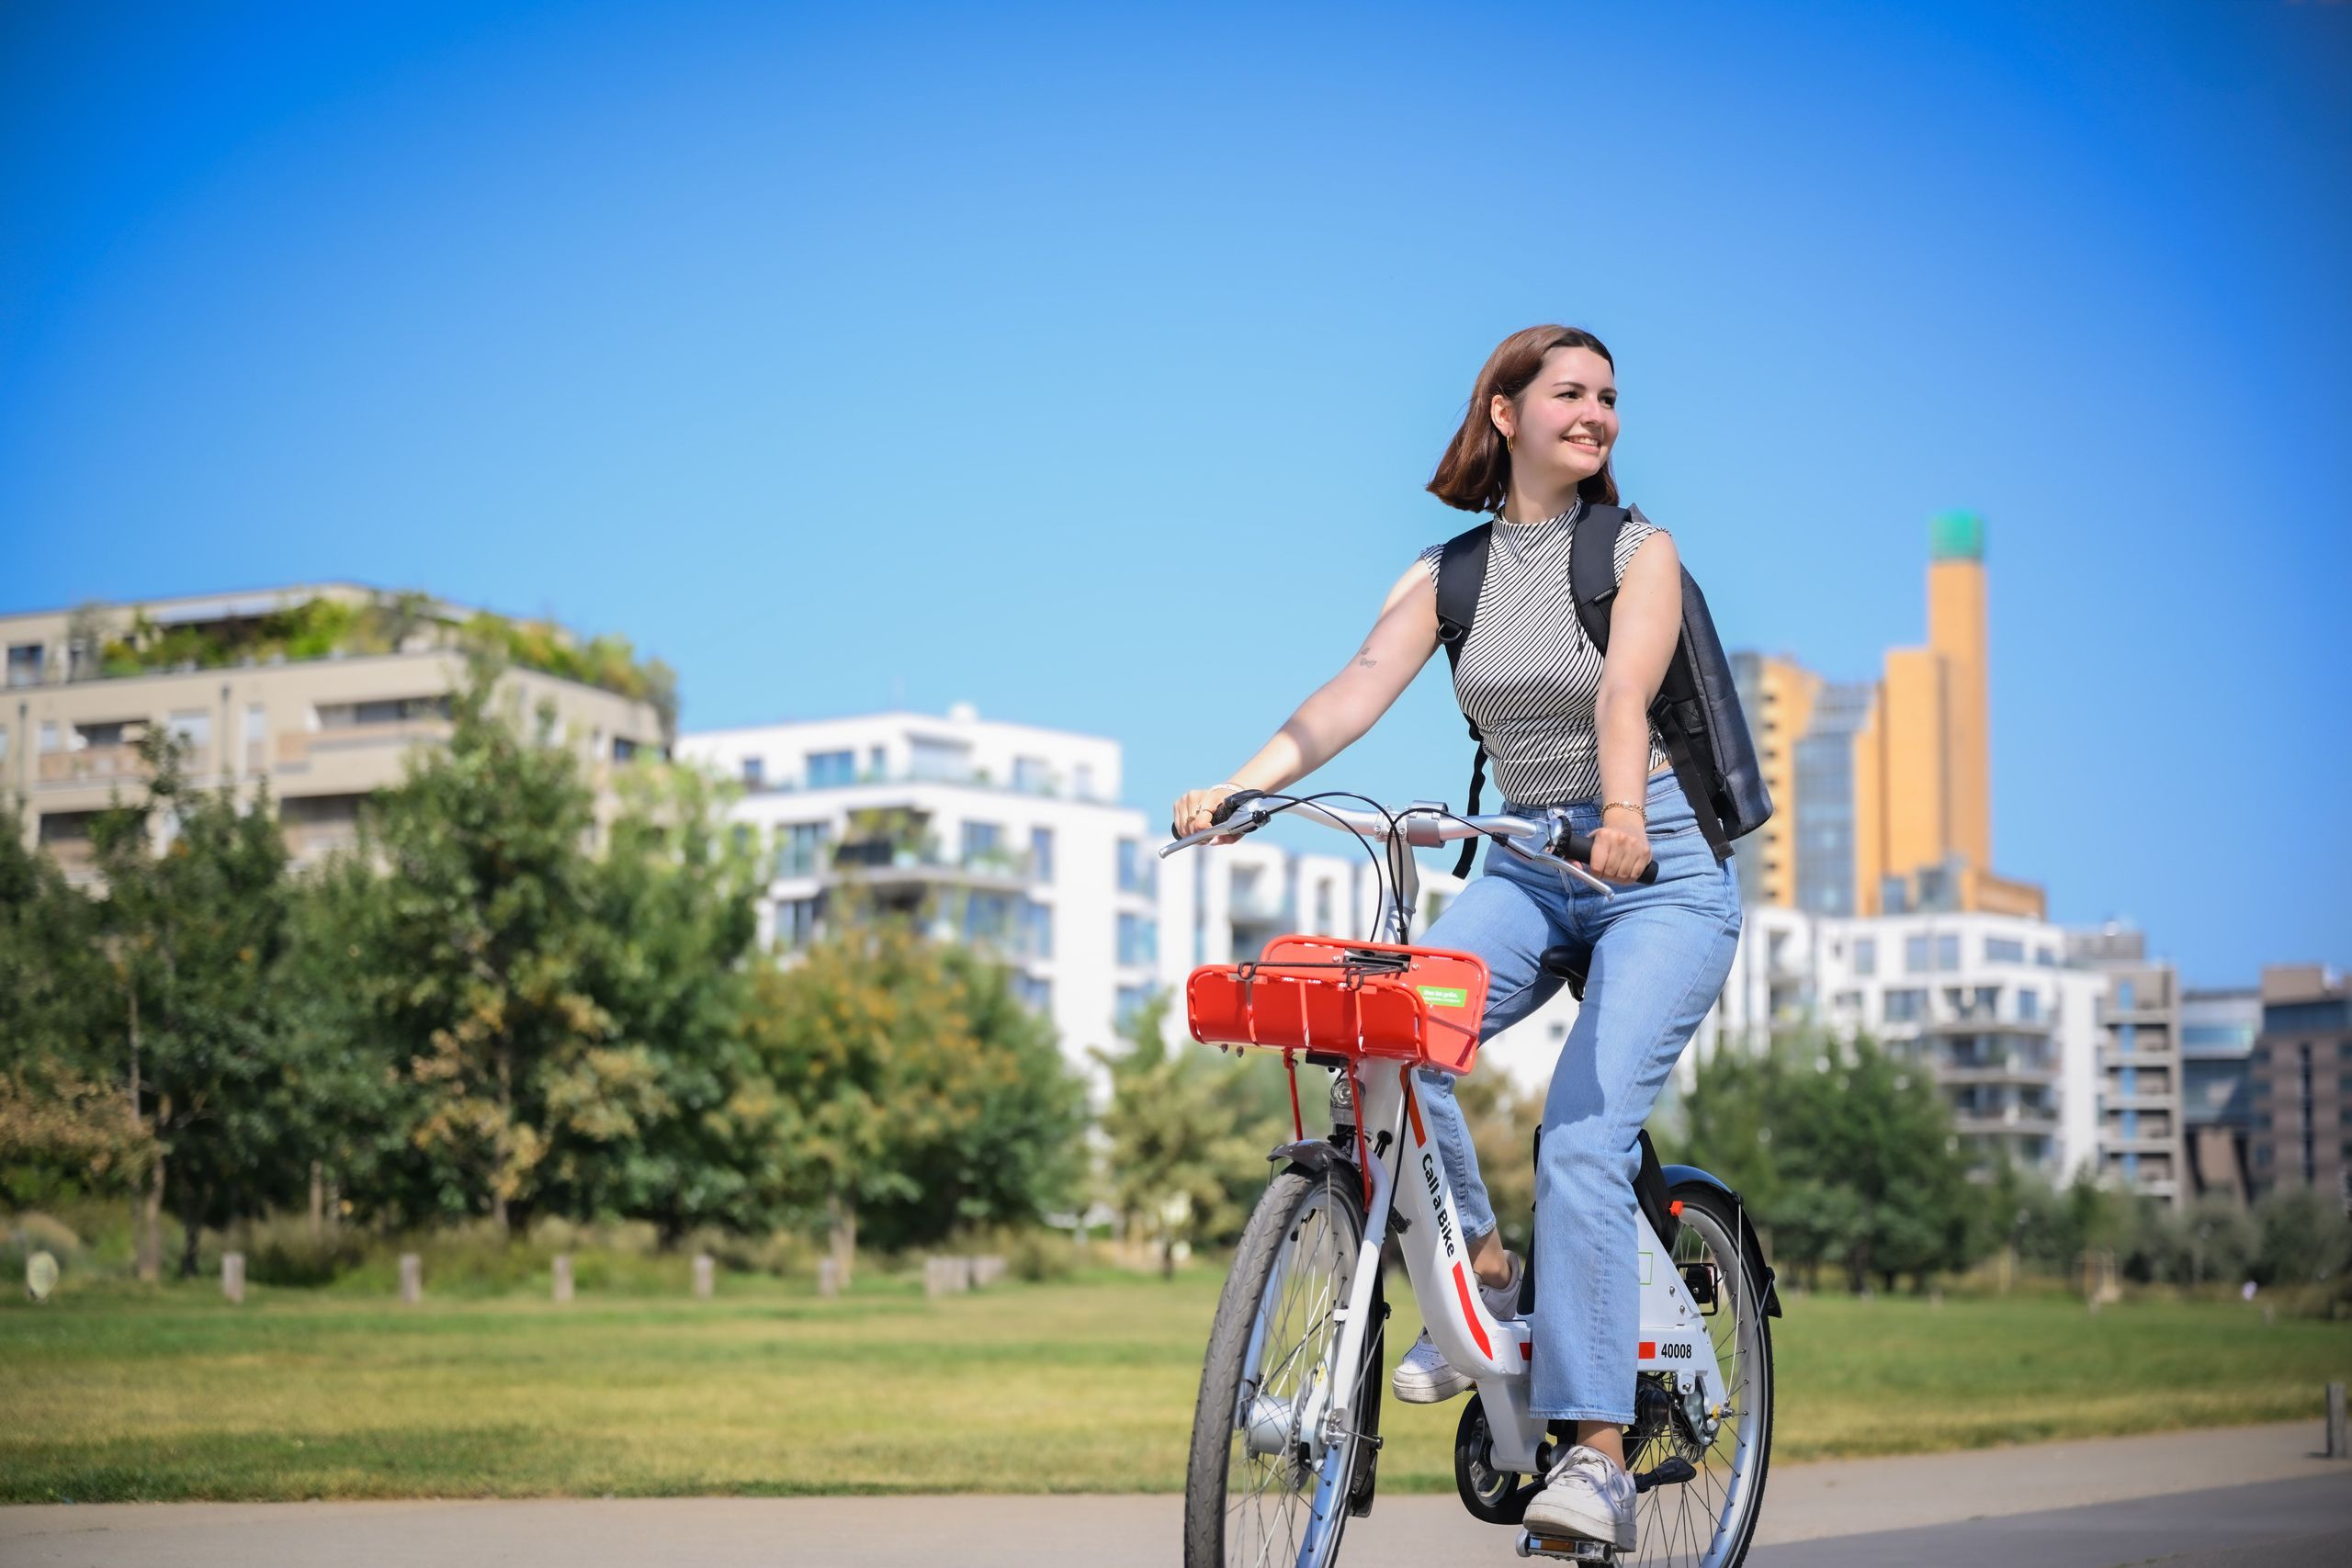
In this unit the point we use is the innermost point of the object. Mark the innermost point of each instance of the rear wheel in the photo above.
(1265, 1484)
(1725, 1436)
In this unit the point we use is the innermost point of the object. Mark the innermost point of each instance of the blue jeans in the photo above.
(1657, 957)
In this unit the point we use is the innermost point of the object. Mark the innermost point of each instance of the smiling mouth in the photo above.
(1584, 441)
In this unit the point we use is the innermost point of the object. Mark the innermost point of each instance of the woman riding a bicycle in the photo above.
(1565, 726)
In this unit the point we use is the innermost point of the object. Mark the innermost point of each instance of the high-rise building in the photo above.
(2141, 1145)
(2217, 1035)
(2301, 1082)
(1823, 808)
(1005, 836)
(1777, 696)
(317, 690)
(1923, 815)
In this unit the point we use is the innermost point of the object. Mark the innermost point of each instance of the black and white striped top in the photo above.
(1528, 675)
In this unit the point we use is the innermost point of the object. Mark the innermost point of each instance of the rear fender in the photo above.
(1750, 1246)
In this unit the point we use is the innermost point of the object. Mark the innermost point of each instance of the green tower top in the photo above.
(1956, 536)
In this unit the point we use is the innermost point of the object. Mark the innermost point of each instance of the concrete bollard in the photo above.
(412, 1279)
(829, 1276)
(2337, 1447)
(987, 1270)
(706, 1272)
(946, 1276)
(563, 1277)
(232, 1277)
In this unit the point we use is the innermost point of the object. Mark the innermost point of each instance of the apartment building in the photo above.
(1986, 1002)
(2141, 1136)
(2218, 1028)
(316, 690)
(1006, 836)
(2301, 1073)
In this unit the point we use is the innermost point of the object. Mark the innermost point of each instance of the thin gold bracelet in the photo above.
(1625, 806)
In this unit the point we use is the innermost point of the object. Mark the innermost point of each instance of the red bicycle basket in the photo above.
(1308, 993)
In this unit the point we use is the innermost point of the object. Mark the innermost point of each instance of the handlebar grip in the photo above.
(1225, 808)
(1580, 849)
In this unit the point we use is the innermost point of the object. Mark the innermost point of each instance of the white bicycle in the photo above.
(1286, 1434)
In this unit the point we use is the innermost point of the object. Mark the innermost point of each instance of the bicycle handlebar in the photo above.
(1424, 824)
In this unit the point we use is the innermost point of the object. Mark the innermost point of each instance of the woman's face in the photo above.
(1564, 425)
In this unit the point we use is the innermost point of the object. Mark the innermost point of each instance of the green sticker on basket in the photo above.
(1444, 995)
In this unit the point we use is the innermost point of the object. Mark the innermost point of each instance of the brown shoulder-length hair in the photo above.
(1475, 473)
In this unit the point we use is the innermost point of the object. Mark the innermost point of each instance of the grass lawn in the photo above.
(1079, 1386)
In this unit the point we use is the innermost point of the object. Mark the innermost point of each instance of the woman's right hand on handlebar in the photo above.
(1193, 808)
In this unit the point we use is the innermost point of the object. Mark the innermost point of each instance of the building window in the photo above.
(2004, 949)
(1085, 771)
(983, 844)
(1132, 1000)
(1037, 928)
(48, 736)
(1030, 775)
(832, 770)
(2045, 958)
(2127, 1037)
(795, 922)
(390, 710)
(1947, 953)
(2028, 1007)
(800, 848)
(1865, 956)
(2130, 1124)
(988, 919)
(2128, 1082)
(877, 764)
(624, 748)
(1036, 995)
(24, 663)
(1041, 854)
(942, 761)
(2130, 1165)
(1137, 874)
(1322, 906)
(1138, 939)
(3, 742)
(1915, 954)
(755, 773)
(1904, 1005)
(2123, 993)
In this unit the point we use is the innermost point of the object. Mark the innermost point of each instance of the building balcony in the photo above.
(2009, 1119)
(297, 749)
(2140, 1101)
(2005, 1070)
(101, 764)
(2110, 1011)
(2112, 1057)
(1945, 1021)
(882, 866)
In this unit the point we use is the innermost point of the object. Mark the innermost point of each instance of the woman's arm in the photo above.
(1344, 707)
(1645, 622)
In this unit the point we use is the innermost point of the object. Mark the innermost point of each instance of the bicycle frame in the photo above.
(1496, 1355)
(1407, 1179)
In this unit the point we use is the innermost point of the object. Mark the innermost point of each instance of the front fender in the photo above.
(1316, 1157)
(1750, 1246)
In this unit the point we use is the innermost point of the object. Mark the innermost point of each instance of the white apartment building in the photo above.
(2012, 1032)
(1006, 836)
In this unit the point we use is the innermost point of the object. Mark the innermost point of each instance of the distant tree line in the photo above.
(495, 1005)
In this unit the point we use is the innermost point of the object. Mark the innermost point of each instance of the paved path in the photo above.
(2232, 1498)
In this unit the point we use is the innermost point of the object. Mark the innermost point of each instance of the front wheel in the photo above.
(1267, 1482)
(1725, 1436)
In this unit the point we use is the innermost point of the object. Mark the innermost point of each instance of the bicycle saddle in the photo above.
(1566, 963)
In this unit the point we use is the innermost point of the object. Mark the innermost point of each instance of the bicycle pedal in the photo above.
(1568, 1550)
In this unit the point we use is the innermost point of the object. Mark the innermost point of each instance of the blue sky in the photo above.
(1088, 367)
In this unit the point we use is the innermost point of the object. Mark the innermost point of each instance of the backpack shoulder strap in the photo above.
(1461, 573)
(1592, 569)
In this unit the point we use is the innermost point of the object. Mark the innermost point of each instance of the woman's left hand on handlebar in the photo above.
(1619, 853)
(1191, 811)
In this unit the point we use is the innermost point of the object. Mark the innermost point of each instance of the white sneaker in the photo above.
(1585, 1497)
(1425, 1376)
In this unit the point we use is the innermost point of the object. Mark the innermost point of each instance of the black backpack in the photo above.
(1697, 711)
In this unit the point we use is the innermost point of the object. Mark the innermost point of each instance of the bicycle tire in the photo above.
(1714, 1227)
(1264, 1263)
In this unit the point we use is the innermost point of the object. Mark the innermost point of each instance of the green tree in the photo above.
(52, 985)
(472, 960)
(1845, 1149)
(195, 932)
(1188, 1135)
